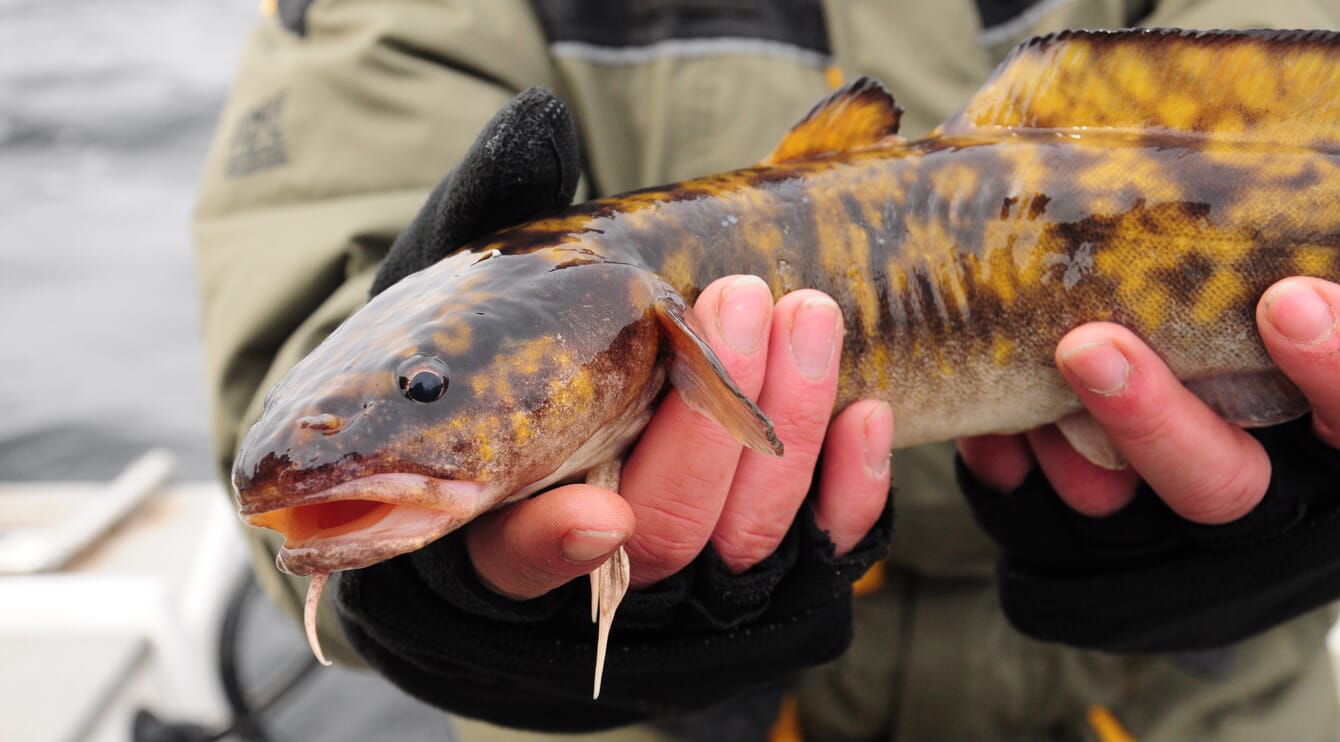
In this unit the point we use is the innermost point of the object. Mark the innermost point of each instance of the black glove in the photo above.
(694, 640)
(1146, 580)
(524, 163)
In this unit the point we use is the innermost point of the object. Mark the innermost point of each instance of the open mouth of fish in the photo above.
(366, 520)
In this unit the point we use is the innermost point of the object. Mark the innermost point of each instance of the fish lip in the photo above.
(427, 509)
(395, 488)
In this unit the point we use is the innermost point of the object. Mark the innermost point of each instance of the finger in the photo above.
(1083, 485)
(1205, 469)
(539, 544)
(854, 481)
(677, 477)
(798, 394)
(1000, 462)
(1297, 322)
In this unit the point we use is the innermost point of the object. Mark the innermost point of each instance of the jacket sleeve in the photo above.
(342, 117)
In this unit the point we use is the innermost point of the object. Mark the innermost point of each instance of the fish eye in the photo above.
(422, 380)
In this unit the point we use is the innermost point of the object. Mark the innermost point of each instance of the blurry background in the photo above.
(106, 110)
(105, 113)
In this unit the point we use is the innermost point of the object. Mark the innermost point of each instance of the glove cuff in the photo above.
(1145, 580)
(687, 643)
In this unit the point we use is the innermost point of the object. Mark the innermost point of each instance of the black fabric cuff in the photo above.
(1146, 580)
(689, 642)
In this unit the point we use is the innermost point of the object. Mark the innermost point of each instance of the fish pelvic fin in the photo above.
(1089, 440)
(609, 582)
(703, 383)
(859, 115)
(1265, 86)
(1252, 399)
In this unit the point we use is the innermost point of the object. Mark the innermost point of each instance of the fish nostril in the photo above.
(326, 423)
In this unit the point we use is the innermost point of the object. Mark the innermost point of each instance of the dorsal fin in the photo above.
(1262, 86)
(858, 115)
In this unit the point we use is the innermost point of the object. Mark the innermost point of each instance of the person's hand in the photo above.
(687, 481)
(1206, 470)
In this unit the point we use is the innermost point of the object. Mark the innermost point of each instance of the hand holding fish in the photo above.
(688, 482)
(1206, 470)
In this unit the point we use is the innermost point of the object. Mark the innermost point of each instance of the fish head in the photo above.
(461, 388)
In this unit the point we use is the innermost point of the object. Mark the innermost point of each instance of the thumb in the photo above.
(539, 544)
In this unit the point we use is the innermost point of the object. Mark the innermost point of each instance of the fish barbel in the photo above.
(1158, 179)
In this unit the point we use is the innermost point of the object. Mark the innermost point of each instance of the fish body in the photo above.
(1157, 179)
(960, 262)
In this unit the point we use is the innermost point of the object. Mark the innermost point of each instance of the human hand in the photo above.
(687, 481)
(1205, 469)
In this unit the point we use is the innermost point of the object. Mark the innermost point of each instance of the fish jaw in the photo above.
(367, 520)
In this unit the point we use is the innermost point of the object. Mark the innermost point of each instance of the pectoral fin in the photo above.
(704, 384)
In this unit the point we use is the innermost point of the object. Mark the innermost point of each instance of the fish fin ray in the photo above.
(1253, 399)
(859, 115)
(609, 581)
(1088, 438)
(1208, 83)
(705, 386)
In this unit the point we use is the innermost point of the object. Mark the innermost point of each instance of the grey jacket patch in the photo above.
(257, 141)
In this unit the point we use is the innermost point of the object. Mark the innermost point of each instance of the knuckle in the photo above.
(747, 545)
(661, 554)
(670, 534)
(1145, 428)
(806, 421)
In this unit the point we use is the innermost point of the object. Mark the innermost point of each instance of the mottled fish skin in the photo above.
(959, 262)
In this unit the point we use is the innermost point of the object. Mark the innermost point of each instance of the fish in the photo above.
(1160, 179)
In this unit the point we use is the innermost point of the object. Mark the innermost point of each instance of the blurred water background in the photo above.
(106, 110)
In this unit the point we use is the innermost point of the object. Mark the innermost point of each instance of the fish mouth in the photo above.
(364, 521)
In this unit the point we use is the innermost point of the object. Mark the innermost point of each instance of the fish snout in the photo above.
(321, 421)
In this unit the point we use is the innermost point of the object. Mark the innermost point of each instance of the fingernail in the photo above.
(742, 312)
(814, 329)
(580, 546)
(1099, 366)
(1299, 313)
(878, 430)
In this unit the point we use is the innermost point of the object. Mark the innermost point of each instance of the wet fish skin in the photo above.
(1082, 184)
